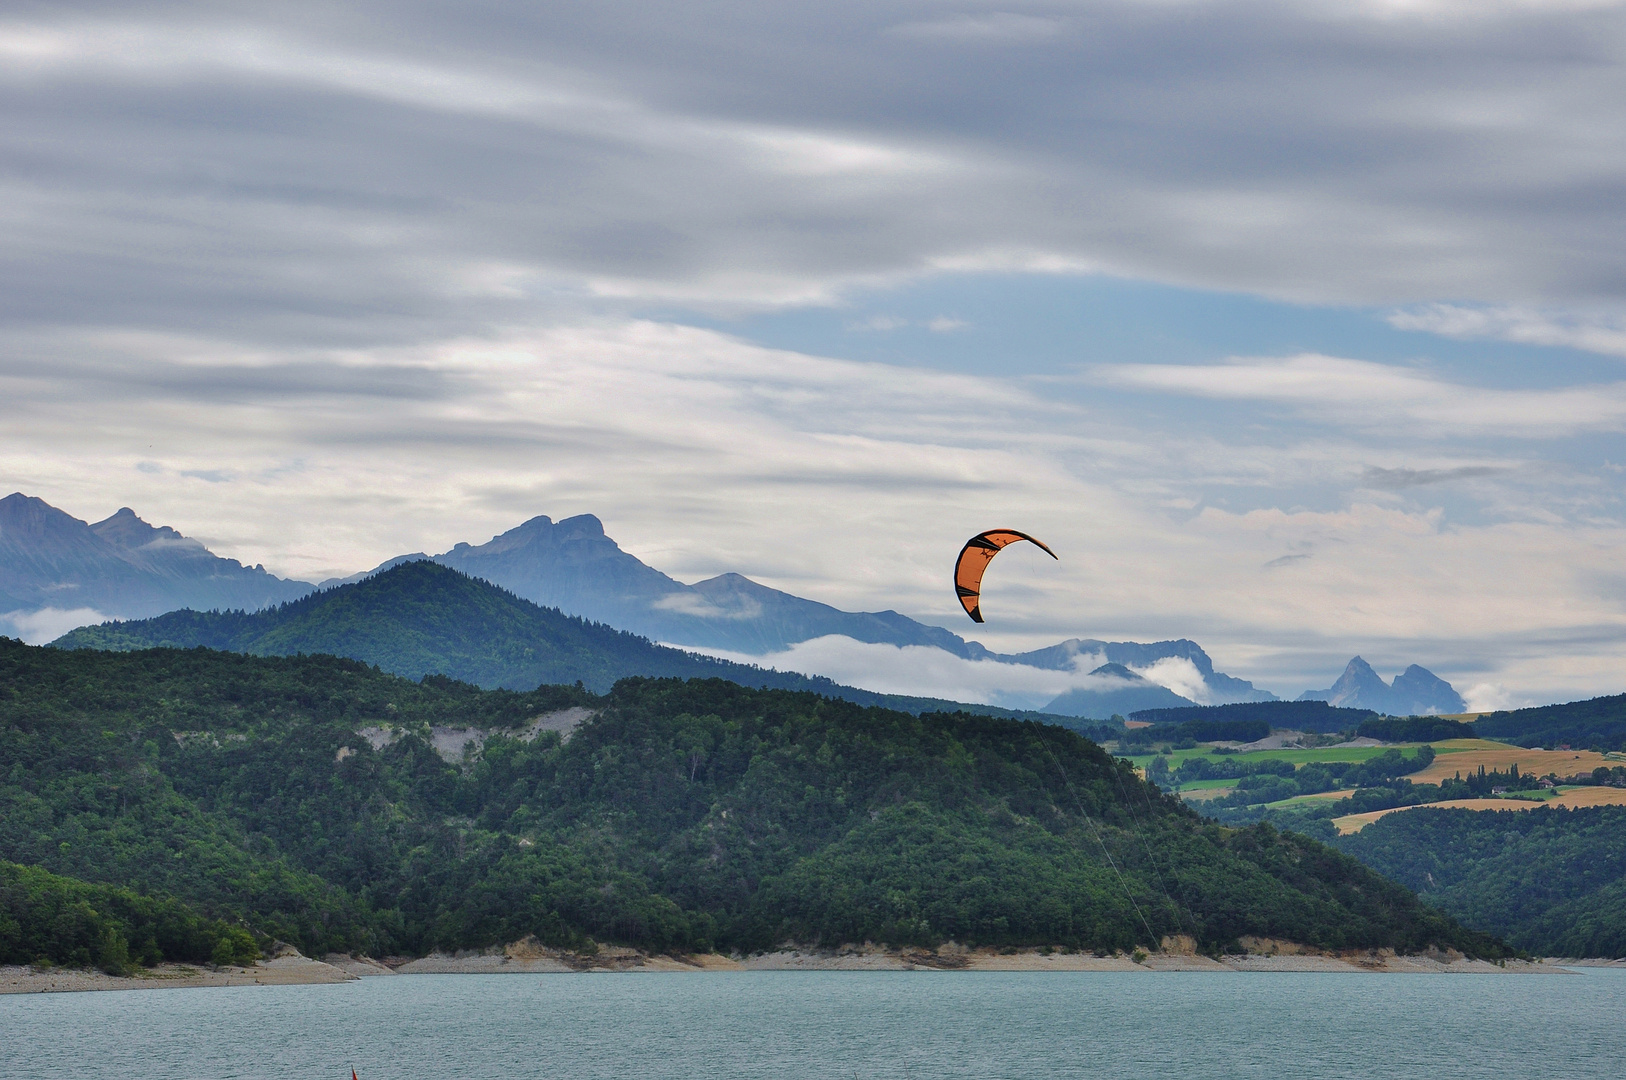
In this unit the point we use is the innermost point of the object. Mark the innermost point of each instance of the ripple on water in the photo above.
(836, 1025)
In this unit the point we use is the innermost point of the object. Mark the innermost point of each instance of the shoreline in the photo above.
(295, 970)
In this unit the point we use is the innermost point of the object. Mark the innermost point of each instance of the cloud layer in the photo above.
(363, 169)
(926, 672)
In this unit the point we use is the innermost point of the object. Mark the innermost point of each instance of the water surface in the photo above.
(835, 1025)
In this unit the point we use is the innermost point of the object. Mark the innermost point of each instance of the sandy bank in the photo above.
(282, 971)
(528, 959)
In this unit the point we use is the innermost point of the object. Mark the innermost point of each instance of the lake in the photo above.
(836, 1025)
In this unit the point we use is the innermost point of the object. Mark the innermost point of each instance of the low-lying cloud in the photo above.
(921, 671)
(704, 454)
(47, 624)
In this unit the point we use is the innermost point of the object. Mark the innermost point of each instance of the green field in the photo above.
(1205, 785)
(1202, 790)
(1297, 757)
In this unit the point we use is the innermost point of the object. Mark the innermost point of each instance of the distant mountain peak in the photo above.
(120, 566)
(1415, 691)
(582, 525)
(127, 530)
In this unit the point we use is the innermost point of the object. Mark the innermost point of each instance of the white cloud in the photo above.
(690, 604)
(1523, 325)
(47, 624)
(929, 672)
(1301, 151)
(1363, 394)
(1489, 697)
(1180, 675)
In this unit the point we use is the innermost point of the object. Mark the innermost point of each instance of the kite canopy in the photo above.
(974, 558)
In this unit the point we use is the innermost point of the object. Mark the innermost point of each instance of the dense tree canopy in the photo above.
(1552, 880)
(305, 798)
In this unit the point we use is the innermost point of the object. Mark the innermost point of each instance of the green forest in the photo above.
(301, 798)
(1551, 880)
(45, 917)
(1596, 724)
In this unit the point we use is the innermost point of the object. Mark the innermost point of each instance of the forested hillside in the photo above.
(1599, 723)
(304, 798)
(1553, 881)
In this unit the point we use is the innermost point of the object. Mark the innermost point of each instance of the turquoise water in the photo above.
(839, 1025)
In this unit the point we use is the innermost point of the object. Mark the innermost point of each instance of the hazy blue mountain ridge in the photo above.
(128, 569)
(574, 566)
(119, 566)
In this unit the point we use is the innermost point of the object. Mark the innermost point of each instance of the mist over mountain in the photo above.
(1116, 690)
(119, 567)
(1414, 692)
(574, 566)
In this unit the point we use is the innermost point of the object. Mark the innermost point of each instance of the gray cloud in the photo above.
(383, 172)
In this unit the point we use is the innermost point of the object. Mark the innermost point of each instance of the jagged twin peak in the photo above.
(1414, 692)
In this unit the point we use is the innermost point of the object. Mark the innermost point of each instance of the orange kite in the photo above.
(974, 558)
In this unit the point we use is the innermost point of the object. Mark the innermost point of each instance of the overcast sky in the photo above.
(1295, 329)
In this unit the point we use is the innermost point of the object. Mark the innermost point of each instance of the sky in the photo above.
(1295, 329)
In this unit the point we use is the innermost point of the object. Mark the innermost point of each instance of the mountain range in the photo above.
(421, 619)
(574, 566)
(124, 568)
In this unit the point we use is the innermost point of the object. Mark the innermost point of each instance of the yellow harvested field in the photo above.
(1591, 796)
(1467, 755)
(1587, 796)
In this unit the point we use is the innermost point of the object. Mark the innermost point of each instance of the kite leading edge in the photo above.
(974, 558)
